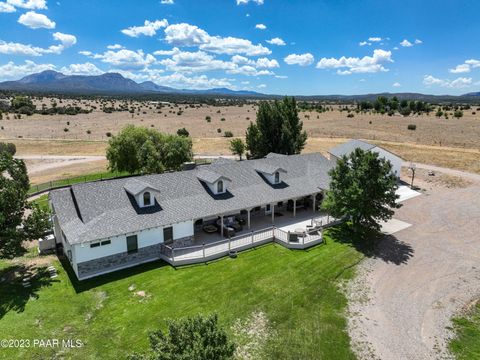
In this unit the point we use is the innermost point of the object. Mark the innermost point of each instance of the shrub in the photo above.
(350, 115)
(89, 132)
(228, 134)
(208, 118)
(108, 134)
(412, 127)
(183, 132)
(219, 130)
(222, 119)
(458, 114)
(65, 129)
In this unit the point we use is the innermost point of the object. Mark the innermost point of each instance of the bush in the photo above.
(228, 134)
(458, 114)
(412, 127)
(208, 118)
(183, 132)
(350, 115)
(65, 129)
(89, 132)
(219, 130)
(222, 119)
(108, 134)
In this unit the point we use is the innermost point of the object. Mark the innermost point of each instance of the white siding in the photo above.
(119, 243)
(394, 160)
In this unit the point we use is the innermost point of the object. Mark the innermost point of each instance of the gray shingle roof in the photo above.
(135, 186)
(267, 168)
(99, 210)
(349, 147)
(210, 176)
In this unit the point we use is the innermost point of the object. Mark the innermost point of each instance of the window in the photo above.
(277, 177)
(147, 199)
(220, 186)
(132, 244)
(106, 242)
(168, 235)
(93, 245)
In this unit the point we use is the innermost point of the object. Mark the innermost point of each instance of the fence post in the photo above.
(303, 238)
(252, 236)
(273, 232)
(203, 248)
(288, 237)
(173, 255)
(229, 243)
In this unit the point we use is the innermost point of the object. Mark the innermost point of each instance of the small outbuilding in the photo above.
(347, 148)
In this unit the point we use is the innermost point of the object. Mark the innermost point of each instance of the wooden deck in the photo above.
(281, 235)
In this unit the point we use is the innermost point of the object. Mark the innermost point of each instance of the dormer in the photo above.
(217, 183)
(272, 173)
(143, 192)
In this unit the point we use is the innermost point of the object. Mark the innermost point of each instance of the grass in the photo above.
(75, 180)
(466, 344)
(297, 290)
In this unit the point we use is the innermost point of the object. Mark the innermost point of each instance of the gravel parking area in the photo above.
(403, 299)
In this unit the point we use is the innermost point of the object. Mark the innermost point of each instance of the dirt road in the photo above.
(403, 299)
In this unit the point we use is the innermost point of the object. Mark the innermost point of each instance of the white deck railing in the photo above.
(217, 249)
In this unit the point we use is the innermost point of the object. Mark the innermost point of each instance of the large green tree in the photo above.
(362, 188)
(277, 129)
(15, 225)
(197, 338)
(237, 147)
(147, 151)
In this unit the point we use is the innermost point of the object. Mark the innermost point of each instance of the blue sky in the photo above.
(272, 46)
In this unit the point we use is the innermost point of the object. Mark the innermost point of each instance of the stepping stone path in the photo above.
(53, 272)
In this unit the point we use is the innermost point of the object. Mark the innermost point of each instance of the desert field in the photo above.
(451, 142)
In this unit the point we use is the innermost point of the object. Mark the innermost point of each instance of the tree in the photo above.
(147, 151)
(196, 338)
(14, 226)
(237, 147)
(363, 189)
(277, 129)
(10, 148)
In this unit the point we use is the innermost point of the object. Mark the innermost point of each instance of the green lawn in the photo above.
(466, 344)
(297, 290)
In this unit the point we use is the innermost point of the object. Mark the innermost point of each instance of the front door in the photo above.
(168, 235)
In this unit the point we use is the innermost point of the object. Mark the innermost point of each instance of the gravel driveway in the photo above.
(402, 300)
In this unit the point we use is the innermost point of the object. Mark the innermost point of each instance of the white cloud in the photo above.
(249, 70)
(418, 42)
(114, 47)
(367, 64)
(299, 59)
(34, 20)
(397, 84)
(244, 2)
(149, 28)
(281, 76)
(267, 63)
(276, 41)
(190, 35)
(28, 4)
(11, 71)
(406, 43)
(363, 43)
(461, 82)
(178, 80)
(466, 67)
(81, 69)
(184, 34)
(67, 40)
(375, 39)
(174, 51)
(167, 2)
(188, 62)
(262, 86)
(6, 8)
(260, 26)
(124, 59)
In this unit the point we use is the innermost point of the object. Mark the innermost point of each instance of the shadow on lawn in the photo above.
(13, 294)
(374, 244)
(100, 280)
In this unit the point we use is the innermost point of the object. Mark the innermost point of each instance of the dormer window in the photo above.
(217, 183)
(277, 177)
(220, 186)
(270, 172)
(147, 198)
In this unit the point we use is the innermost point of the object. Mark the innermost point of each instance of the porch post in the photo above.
(273, 213)
(294, 207)
(221, 226)
(248, 219)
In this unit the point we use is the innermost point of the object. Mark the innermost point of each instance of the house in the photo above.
(109, 225)
(350, 146)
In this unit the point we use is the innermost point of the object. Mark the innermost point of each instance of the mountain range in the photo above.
(115, 83)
